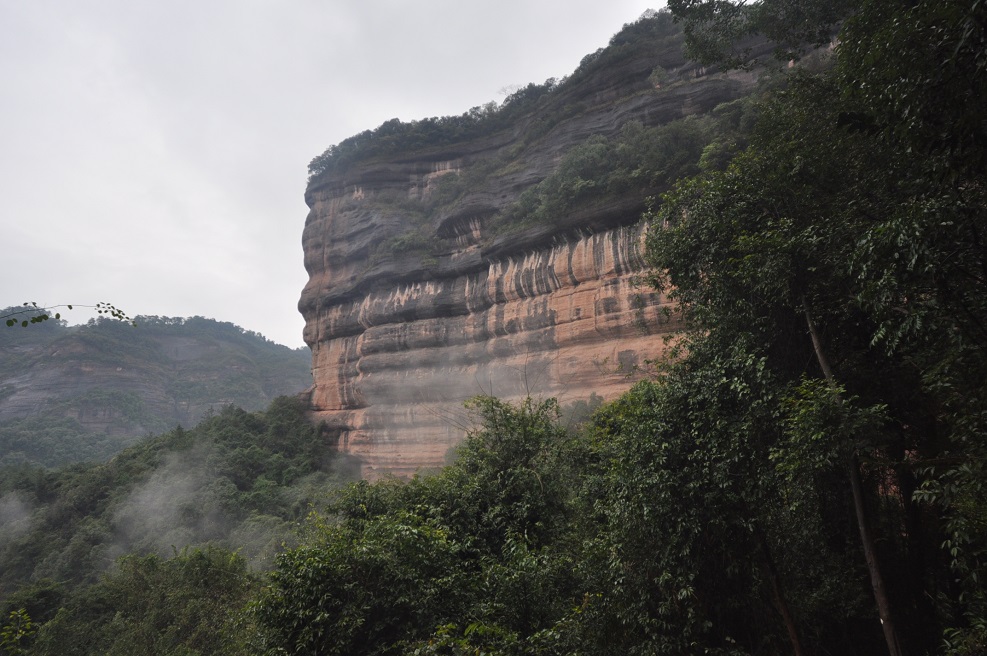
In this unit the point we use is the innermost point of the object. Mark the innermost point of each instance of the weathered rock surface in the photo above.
(400, 339)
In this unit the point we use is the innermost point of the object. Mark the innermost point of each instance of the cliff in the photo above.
(500, 252)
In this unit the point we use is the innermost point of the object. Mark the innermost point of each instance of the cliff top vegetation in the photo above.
(649, 33)
(807, 476)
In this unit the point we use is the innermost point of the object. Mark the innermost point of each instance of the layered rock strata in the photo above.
(401, 335)
(394, 367)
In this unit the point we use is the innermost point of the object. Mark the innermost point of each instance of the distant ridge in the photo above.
(74, 393)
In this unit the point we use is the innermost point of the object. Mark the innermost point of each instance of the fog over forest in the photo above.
(799, 467)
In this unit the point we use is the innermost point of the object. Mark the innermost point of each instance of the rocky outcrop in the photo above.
(393, 367)
(417, 301)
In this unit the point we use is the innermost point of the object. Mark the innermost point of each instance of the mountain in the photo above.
(807, 475)
(85, 392)
(498, 252)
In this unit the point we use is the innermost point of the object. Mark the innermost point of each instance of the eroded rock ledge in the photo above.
(417, 302)
(394, 367)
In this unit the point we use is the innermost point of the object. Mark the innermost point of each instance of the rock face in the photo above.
(420, 298)
(393, 367)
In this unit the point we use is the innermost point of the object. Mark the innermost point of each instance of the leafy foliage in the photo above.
(638, 163)
(721, 31)
(18, 630)
(806, 474)
(32, 313)
(188, 604)
(168, 371)
(394, 568)
(238, 480)
(832, 252)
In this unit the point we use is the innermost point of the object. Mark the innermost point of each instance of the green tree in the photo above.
(188, 604)
(831, 251)
(16, 633)
(464, 559)
(722, 31)
(705, 539)
(746, 253)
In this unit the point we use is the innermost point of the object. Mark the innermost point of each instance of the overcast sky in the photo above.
(154, 154)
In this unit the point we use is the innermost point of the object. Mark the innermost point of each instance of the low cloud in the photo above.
(15, 517)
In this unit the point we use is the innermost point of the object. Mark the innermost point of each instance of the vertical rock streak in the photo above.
(414, 303)
(393, 368)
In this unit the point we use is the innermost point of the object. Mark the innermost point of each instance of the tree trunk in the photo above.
(860, 508)
(778, 594)
(876, 580)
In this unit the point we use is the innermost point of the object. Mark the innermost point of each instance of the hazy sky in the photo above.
(154, 154)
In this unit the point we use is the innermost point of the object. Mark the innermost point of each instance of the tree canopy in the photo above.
(807, 473)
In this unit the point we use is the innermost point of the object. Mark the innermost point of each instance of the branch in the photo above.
(44, 313)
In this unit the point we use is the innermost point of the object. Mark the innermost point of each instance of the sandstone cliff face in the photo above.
(401, 336)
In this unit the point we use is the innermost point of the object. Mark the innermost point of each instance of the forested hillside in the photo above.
(217, 497)
(807, 474)
(75, 393)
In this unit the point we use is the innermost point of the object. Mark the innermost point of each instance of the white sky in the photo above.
(154, 154)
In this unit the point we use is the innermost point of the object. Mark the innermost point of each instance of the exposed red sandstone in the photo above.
(399, 340)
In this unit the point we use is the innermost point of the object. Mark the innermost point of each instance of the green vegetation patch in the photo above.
(649, 35)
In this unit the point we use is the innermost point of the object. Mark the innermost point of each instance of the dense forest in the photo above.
(70, 394)
(805, 475)
(196, 510)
